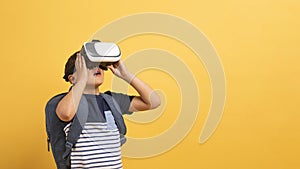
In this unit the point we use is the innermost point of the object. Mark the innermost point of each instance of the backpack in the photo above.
(60, 144)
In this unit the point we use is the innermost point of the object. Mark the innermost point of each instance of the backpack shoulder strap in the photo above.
(116, 111)
(78, 124)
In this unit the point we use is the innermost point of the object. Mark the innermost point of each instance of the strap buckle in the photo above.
(69, 145)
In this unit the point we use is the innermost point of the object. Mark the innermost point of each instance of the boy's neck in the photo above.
(92, 90)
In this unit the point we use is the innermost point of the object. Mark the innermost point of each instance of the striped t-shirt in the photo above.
(99, 143)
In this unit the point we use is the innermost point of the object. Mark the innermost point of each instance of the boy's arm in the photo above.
(67, 107)
(147, 99)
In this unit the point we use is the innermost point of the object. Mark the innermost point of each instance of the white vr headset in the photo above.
(97, 51)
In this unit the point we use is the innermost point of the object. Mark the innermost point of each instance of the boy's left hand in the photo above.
(147, 99)
(119, 69)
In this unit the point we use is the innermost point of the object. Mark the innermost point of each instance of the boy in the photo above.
(99, 144)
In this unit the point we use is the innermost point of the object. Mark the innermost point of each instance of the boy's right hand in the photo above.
(81, 73)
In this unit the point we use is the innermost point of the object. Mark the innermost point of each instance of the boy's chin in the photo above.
(97, 84)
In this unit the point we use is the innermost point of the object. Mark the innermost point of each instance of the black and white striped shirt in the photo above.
(99, 143)
(97, 147)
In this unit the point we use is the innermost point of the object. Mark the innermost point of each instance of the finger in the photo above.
(111, 68)
(79, 60)
(83, 62)
(116, 64)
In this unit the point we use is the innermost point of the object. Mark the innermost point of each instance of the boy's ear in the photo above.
(71, 79)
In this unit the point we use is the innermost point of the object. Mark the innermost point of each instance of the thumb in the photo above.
(111, 68)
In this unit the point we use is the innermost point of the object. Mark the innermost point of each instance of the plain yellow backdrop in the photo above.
(258, 44)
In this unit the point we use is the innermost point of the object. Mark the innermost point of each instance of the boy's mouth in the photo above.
(97, 73)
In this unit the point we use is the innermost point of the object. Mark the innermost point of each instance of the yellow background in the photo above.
(258, 44)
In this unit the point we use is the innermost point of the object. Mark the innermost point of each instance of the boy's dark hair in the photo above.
(70, 66)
